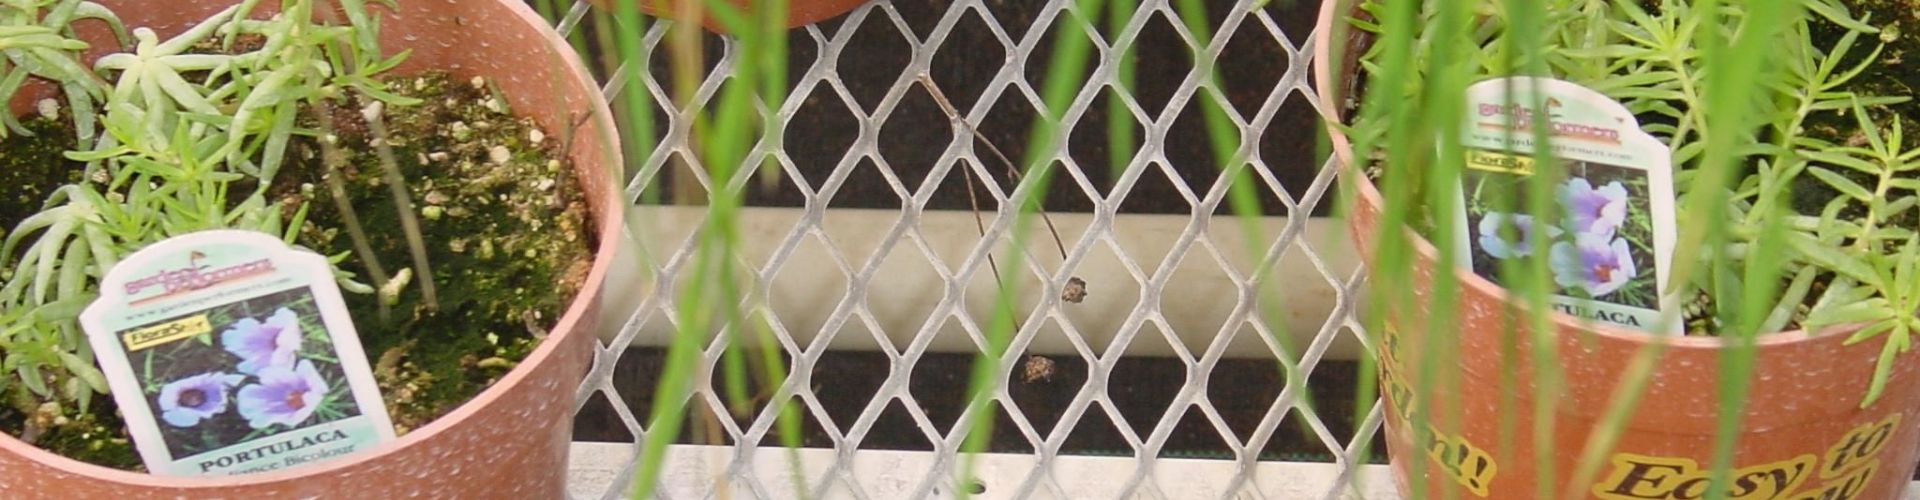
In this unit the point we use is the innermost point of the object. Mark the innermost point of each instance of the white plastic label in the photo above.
(230, 352)
(1610, 249)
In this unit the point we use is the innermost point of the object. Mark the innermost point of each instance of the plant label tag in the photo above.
(1609, 249)
(230, 352)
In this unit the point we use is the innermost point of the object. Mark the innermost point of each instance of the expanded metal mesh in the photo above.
(1020, 40)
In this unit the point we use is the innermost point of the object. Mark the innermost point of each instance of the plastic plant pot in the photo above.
(1802, 431)
(511, 440)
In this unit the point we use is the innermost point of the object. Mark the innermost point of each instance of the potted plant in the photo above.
(288, 118)
(1548, 405)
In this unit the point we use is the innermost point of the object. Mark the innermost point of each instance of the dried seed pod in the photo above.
(1076, 290)
(1037, 368)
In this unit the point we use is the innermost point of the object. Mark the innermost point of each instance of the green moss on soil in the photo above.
(506, 238)
(33, 166)
(508, 241)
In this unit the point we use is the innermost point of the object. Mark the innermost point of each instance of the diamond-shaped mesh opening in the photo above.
(1138, 384)
(1150, 189)
(851, 393)
(907, 307)
(909, 145)
(873, 247)
(1041, 52)
(896, 428)
(1009, 436)
(1206, 313)
(1293, 159)
(660, 64)
(1108, 138)
(1044, 385)
(1013, 17)
(1111, 292)
(1095, 433)
(1288, 437)
(1006, 128)
(812, 431)
(821, 130)
(1248, 85)
(1190, 140)
(742, 381)
(884, 49)
(1258, 183)
(1159, 50)
(792, 283)
(1243, 389)
(936, 376)
(600, 421)
(1194, 436)
(965, 64)
(921, 17)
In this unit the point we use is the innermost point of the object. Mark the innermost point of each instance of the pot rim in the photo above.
(1365, 191)
(609, 221)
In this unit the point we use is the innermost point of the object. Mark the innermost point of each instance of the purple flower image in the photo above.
(1594, 211)
(261, 345)
(283, 396)
(185, 402)
(1598, 264)
(1498, 246)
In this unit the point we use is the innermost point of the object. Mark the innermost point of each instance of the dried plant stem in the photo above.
(337, 186)
(1013, 169)
(981, 225)
(402, 203)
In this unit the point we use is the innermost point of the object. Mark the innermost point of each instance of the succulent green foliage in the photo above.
(37, 41)
(1859, 244)
(150, 80)
(188, 124)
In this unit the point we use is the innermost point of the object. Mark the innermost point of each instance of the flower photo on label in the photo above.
(1599, 246)
(264, 344)
(185, 402)
(283, 396)
(1596, 211)
(256, 368)
(1502, 246)
(1595, 264)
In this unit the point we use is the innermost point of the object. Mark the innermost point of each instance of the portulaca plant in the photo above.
(176, 138)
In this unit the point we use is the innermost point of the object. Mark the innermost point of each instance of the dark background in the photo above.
(913, 136)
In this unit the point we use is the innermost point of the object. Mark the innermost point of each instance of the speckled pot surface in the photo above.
(1802, 432)
(799, 12)
(511, 441)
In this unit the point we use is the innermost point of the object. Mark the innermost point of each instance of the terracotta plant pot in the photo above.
(1802, 431)
(799, 12)
(510, 441)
